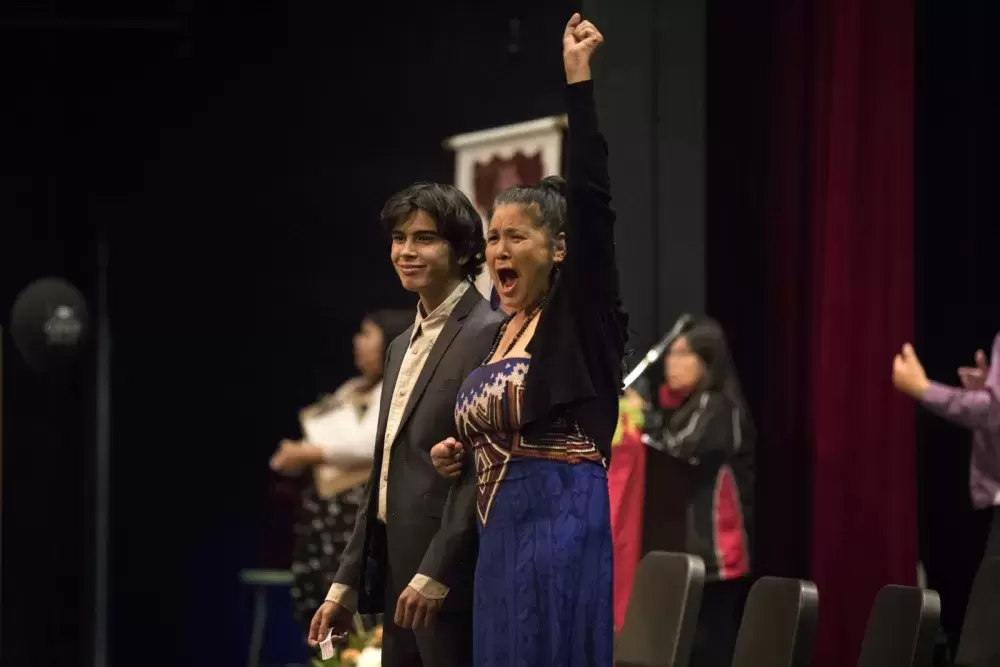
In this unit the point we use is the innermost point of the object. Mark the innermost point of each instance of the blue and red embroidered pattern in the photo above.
(488, 418)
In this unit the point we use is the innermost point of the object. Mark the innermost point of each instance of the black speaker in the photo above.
(49, 323)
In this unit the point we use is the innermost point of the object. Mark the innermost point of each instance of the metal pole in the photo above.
(103, 460)
(1, 486)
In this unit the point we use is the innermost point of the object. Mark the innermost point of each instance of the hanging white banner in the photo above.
(489, 161)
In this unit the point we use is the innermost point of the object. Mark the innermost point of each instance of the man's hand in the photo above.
(908, 373)
(330, 616)
(975, 377)
(580, 39)
(414, 611)
(447, 457)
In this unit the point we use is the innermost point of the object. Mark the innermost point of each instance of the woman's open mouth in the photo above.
(507, 279)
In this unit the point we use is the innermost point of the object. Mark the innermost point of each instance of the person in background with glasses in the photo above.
(700, 479)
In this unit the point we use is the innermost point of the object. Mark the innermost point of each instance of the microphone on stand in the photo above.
(656, 351)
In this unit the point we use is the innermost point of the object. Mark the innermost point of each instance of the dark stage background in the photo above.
(957, 239)
(234, 155)
(762, 101)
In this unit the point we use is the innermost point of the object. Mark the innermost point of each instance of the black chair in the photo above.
(901, 628)
(662, 612)
(979, 643)
(779, 624)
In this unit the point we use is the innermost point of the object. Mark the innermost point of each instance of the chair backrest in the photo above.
(979, 643)
(662, 612)
(779, 624)
(901, 628)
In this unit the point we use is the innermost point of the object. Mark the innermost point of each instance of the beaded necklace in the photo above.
(520, 332)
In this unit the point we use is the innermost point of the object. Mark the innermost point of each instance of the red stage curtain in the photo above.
(627, 490)
(843, 146)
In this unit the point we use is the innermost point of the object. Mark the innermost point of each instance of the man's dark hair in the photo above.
(457, 220)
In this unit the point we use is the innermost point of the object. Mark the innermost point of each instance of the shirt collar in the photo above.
(441, 313)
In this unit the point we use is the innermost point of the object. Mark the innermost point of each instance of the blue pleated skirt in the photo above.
(543, 591)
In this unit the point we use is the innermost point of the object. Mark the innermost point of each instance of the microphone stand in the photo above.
(656, 351)
(650, 358)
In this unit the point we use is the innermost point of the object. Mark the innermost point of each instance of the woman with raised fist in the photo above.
(538, 416)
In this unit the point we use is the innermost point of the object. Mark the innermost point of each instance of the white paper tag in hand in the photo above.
(326, 647)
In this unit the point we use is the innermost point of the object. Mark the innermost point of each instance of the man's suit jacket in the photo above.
(420, 538)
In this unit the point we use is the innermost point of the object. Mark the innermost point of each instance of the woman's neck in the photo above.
(519, 316)
(517, 332)
(366, 383)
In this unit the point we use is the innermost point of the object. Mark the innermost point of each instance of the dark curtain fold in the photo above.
(842, 249)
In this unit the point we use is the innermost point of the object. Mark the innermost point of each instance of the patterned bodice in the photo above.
(488, 419)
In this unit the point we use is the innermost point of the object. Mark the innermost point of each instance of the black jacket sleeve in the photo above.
(590, 263)
(452, 552)
(349, 572)
(453, 549)
(712, 430)
(353, 558)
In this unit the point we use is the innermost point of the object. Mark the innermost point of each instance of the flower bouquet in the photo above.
(363, 649)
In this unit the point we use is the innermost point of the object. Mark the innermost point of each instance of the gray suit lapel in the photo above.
(441, 345)
(389, 377)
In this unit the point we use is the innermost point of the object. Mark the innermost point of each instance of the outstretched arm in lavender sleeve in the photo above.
(974, 406)
(971, 408)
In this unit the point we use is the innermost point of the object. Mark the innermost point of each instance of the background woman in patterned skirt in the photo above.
(340, 466)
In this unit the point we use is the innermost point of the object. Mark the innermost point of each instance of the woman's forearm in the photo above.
(309, 454)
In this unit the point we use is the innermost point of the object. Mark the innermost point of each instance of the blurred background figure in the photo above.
(337, 447)
(975, 406)
(700, 478)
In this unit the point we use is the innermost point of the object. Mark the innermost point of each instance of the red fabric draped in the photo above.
(844, 150)
(627, 488)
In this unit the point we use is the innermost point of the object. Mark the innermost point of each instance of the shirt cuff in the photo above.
(343, 595)
(430, 589)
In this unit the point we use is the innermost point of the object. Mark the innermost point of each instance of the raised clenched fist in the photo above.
(908, 373)
(580, 40)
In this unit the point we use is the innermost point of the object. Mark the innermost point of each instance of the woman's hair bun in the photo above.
(554, 183)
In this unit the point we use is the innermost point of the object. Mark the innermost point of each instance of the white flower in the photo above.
(370, 657)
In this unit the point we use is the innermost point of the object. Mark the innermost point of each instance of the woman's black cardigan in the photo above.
(578, 345)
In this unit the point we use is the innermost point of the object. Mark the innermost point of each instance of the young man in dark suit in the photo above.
(408, 558)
